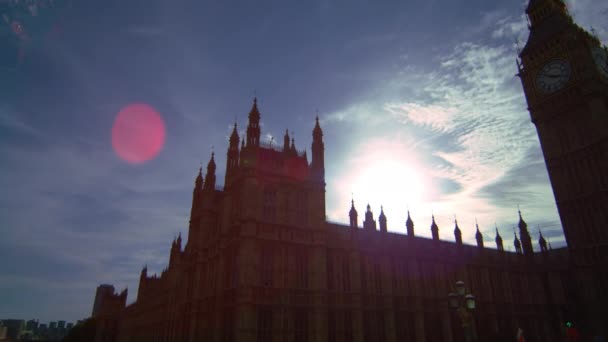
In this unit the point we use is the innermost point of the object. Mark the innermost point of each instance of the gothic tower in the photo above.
(564, 73)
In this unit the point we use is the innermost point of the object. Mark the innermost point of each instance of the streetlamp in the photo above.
(464, 305)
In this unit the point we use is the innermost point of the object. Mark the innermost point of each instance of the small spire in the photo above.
(199, 178)
(478, 235)
(434, 229)
(382, 220)
(516, 242)
(352, 214)
(409, 225)
(541, 241)
(498, 239)
(457, 232)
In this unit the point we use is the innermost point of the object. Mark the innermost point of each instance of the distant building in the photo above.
(32, 325)
(262, 263)
(3, 331)
(14, 328)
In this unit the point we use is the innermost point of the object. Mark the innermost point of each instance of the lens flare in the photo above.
(138, 133)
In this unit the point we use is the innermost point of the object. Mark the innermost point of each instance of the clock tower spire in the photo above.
(564, 73)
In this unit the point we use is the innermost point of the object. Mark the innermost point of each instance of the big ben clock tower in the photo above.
(564, 73)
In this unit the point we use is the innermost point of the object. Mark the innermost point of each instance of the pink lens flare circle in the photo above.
(138, 133)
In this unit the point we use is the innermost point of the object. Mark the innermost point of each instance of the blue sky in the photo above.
(418, 102)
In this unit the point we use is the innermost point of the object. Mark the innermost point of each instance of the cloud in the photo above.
(468, 116)
(89, 217)
(436, 117)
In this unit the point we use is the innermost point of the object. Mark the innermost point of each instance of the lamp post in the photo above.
(464, 304)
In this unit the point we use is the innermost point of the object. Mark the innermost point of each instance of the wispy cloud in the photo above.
(469, 114)
(10, 119)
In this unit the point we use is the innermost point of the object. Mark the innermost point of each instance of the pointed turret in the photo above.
(317, 165)
(498, 240)
(457, 233)
(173, 253)
(232, 160)
(409, 225)
(526, 240)
(478, 237)
(516, 243)
(369, 223)
(142, 282)
(197, 205)
(434, 229)
(352, 214)
(292, 149)
(382, 220)
(198, 182)
(253, 128)
(210, 176)
(196, 194)
(542, 242)
(178, 242)
(286, 142)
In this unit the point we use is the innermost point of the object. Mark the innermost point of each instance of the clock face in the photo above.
(600, 56)
(553, 76)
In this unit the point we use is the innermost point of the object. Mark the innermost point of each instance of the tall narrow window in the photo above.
(267, 266)
(331, 326)
(330, 272)
(301, 325)
(270, 205)
(345, 274)
(301, 269)
(348, 325)
(301, 208)
(264, 324)
(377, 278)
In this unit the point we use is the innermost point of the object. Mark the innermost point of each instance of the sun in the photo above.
(394, 184)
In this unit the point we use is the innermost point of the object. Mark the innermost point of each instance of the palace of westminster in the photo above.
(261, 262)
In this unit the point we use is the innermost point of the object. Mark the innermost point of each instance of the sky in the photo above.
(418, 100)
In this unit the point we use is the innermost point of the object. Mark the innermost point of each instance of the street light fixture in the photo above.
(464, 305)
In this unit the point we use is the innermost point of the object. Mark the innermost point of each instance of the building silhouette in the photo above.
(261, 262)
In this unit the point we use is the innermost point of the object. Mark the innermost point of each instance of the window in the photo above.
(301, 269)
(345, 274)
(330, 271)
(301, 208)
(348, 326)
(331, 326)
(301, 325)
(377, 278)
(267, 266)
(264, 324)
(270, 205)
